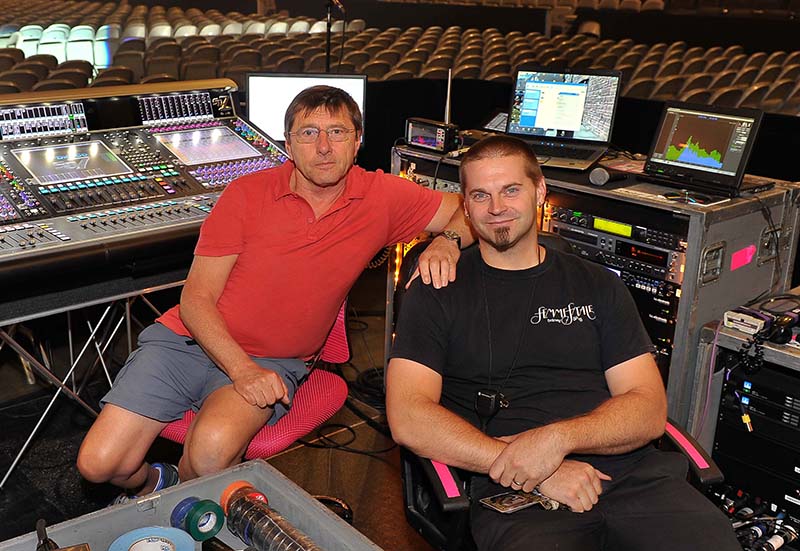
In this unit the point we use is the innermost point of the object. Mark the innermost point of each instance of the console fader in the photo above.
(85, 174)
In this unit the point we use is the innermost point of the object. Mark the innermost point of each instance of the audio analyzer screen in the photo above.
(710, 142)
(206, 145)
(65, 163)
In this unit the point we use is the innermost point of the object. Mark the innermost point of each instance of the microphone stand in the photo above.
(328, 8)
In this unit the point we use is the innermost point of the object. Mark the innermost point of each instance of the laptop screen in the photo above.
(705, 145)
(576, 105)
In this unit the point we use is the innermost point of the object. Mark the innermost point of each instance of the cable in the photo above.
(329, 443)
(436, 170)
(379, 259)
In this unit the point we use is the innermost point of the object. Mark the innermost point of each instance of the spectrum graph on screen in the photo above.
(693, 153)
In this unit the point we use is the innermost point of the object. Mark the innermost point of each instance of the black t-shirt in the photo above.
(569, 319)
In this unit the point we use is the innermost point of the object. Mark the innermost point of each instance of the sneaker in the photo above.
(167, 476)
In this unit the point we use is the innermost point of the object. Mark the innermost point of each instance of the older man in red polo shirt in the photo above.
(275, 259)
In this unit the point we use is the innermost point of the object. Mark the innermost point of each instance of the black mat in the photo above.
(46, 483)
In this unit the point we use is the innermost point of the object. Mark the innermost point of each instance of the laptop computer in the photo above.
(702, 148)
(566, 115)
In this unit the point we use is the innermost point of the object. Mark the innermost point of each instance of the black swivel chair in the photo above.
(435, 495)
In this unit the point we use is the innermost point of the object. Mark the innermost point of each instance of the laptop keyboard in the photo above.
(564, 152)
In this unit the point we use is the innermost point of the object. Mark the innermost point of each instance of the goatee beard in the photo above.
(502, 239)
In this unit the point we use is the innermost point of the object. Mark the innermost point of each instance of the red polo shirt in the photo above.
(293, 271)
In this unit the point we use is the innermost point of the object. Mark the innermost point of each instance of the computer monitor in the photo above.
(269, 94)
(569, 104)
(703, 148)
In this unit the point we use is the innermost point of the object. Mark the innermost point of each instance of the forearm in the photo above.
(432, 431)
(621, 424)
(203, 320)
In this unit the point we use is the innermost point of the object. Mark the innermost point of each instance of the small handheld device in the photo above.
(429, 134)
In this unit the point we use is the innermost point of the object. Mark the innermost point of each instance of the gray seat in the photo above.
(729, 96)
(668, 88)
(132, 59)
(647, 70)
(745, 77)
(198, 70)
(700, 96)
(291, 64)
(162, 66)
(753, 95)
(37, 67)
(109, 81)
(695, 82)
(375, 69)
(21, 78)
(159, 77)
(117, 71)
(434, 72)
(77, 76)
(778, 94)
(723, 79)
(640, 88)
(53, 84)
(8, 88)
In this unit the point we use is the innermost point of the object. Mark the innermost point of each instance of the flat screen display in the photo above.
(577, 106)
(206, 145)
(703, 148)
(269, 94)
(69, 162)
(701, 140)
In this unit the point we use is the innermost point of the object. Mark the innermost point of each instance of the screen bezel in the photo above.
(317, 78)
(588, 72)
(696, 179)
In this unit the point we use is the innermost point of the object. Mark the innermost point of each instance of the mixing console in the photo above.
(83, 171)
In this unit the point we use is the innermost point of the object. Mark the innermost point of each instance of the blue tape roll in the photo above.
(178, 516)
(153, 538)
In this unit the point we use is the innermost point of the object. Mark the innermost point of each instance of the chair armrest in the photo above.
(702, 468)
(446, 485)
(442, 481)
(435, 501)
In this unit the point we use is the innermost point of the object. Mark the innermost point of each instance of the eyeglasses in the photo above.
(310, 134)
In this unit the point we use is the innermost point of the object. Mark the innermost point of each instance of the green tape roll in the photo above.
(204, 520)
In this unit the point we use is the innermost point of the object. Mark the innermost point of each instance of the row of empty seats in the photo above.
(725, 76)
(736, 7)
(99, 46)
(631, 5)
(40, 72)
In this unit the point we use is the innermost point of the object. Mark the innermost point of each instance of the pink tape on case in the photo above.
(451, 489)
(687, 446)
(742, 257)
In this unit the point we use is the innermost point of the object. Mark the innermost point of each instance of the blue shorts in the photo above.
(168, 374)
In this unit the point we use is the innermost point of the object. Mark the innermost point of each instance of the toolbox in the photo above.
(100, 528)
